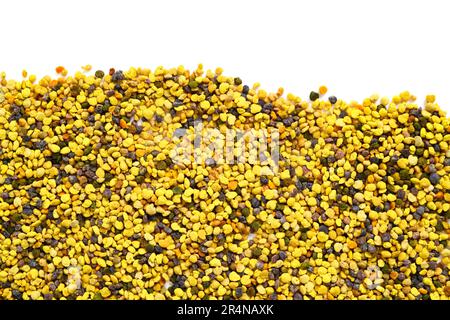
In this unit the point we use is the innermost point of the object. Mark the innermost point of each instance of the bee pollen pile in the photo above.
(93, 204)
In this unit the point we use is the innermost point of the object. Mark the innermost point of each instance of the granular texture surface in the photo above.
(100, 198)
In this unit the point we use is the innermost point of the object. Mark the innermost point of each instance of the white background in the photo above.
(356, 48)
